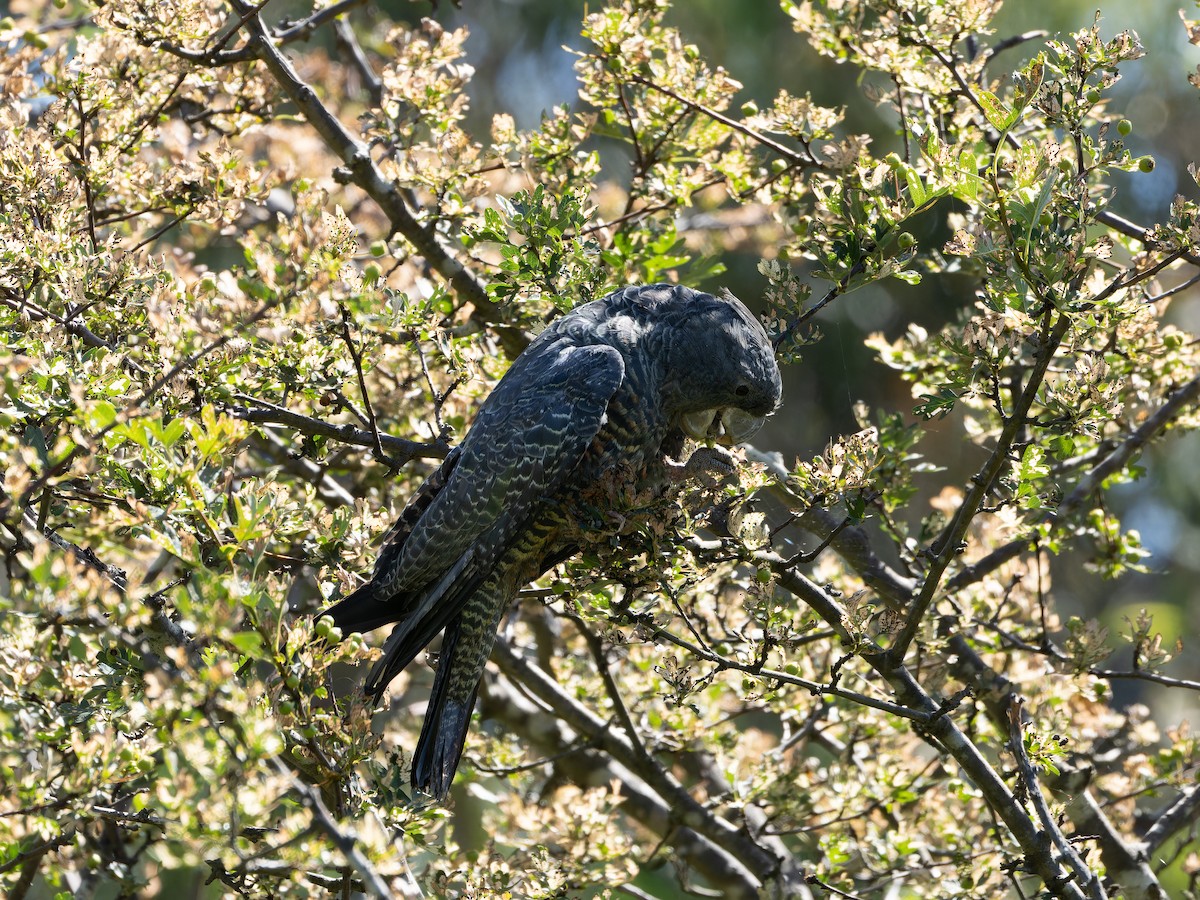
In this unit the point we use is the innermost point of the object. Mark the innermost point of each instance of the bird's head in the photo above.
(720, 380)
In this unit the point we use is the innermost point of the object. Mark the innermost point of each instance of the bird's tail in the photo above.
(361, 610)
(447, 718)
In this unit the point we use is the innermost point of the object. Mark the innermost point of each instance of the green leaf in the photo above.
(998, 114)
(936, 404)
(100, 415)
(249, 643)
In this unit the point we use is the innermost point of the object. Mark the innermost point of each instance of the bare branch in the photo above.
(1123, 863)
(1142, 675)
(265, 413)
(1133, 230)
(800, 160)
(349, 43)
(1015, 41)
(303, 30)
(1033, 790)
(356, 358)
(1183, 812)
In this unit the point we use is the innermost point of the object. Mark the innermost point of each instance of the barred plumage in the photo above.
(598, 396)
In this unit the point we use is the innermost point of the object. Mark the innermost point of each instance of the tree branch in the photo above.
(760, 866)
(550, 736)
(946, 547)
(1035, 844)
(302, 30)
(1123, 864)
(1033, 790)
(342, 840)
(361, 170)
(1180, 814)
(266, 413)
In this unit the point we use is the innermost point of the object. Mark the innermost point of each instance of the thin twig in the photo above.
(348, 41)
(797, 159)
(356, 357)
(1142, 675)
(342, 840)
(302, 30)
(946, 547)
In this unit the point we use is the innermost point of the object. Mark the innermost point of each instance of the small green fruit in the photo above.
(749, 108)
(1146, 164)
(1124, 128)
(1093, 96)
(905, 240)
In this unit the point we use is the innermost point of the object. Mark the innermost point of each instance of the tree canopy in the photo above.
(259, 264)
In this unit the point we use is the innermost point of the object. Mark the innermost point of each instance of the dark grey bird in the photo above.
(600, 402)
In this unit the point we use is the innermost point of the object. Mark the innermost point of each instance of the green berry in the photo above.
(1146, 163)
(905, 240)
(749, 108)
(1124, 128)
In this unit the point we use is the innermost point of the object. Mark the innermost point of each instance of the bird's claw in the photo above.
(712, 465)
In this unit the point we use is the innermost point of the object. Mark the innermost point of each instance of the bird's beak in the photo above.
(740, 425)
(696, 424)
(725, 426)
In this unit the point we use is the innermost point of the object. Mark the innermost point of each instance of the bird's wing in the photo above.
(522, 449)
(362, 609)
(397, 535)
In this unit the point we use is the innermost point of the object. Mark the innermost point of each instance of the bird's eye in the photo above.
(742, 390)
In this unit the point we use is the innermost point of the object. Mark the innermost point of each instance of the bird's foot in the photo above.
(712, 465)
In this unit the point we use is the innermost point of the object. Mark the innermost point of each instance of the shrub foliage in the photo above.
(256, 274)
